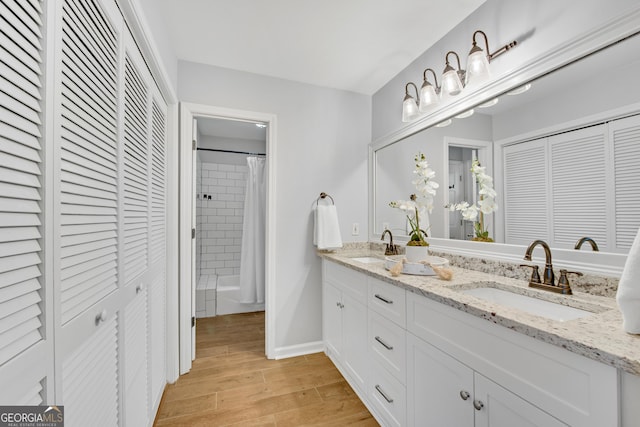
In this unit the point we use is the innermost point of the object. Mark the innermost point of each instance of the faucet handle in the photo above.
(535, 275)
(563, 281)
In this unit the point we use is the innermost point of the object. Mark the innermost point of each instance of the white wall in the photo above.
(537, 25)
(322, 139)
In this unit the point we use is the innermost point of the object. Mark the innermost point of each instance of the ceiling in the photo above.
(355, 45)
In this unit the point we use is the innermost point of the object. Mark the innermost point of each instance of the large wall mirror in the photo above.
(564, 155)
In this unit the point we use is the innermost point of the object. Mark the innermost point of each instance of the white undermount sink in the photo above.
(527, 303)
(367, 259)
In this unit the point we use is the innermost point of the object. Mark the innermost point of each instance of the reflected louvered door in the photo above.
(579, 192)
(86, 265)
(25, 352)
(624, 136)
(157, 285)
(525, 192)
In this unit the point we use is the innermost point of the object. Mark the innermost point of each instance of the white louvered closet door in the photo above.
(157, 285)
(525, 192)
(88, 295)
(25, 351)
(624, 135)
(579, 192)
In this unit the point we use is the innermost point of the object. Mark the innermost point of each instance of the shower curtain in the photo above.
(252, 253)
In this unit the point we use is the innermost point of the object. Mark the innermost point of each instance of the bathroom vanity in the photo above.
(422, 351)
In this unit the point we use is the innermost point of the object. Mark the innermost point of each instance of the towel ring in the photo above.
(323, 196)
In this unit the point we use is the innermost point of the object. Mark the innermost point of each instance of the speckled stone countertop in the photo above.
(599, 336)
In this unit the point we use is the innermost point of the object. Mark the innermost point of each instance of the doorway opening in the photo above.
(227, 221)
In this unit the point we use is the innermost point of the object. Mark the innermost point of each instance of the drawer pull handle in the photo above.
(478, 404)
(464, 395)
(383, 299)
(384, 344)
(383, 394)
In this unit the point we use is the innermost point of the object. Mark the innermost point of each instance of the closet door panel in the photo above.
(88, 158)
(525, 192)
(135, 170)
(579, 191)
(625, 139)
(25, 354)
(135, 369)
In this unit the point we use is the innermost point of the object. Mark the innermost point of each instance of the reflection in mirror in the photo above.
(563, 152)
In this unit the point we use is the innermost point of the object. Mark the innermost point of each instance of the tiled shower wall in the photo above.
(219, 214)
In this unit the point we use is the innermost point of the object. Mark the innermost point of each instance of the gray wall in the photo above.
(322, 138)
(537, 25)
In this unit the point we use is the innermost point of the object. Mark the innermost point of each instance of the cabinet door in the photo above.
(501, 408)
(439, 388)
(332, 320)
(354, 339)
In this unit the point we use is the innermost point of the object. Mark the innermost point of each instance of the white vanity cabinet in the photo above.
(344, 313)
(418, 362)
(444, 392)
(386, 385)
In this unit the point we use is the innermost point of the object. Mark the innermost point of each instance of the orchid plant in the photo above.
(486, 205)
(419, 203)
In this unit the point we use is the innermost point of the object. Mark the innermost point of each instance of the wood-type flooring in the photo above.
(232, 383)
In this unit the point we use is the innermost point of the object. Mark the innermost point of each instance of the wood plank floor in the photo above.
(232, 383)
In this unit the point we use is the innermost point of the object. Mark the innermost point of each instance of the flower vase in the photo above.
(415, 254)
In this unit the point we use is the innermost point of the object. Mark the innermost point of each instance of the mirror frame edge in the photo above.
(607, 264)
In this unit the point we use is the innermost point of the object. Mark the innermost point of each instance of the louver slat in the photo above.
(136, 182)
(135, 370)
(88, 176)
(625, 135)
(20, 200)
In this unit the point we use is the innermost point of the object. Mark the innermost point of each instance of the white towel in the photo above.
(326, 234)
(628, 294)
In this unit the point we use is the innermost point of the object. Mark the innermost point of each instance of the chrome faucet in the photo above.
(594, 245)
(391, 248)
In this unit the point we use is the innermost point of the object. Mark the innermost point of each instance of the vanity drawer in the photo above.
(348, 280)
(388, 300)
(387, 396)
(388, 345)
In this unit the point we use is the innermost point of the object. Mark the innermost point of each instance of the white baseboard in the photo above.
(298, 350)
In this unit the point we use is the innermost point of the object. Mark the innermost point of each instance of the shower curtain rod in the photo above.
(231, 151)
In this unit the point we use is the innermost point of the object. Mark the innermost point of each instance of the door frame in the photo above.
(186, 258)
(485, 156)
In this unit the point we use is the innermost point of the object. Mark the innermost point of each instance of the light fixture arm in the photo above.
(498, 52)
(406, 91)
(446, 59)
(424, 76)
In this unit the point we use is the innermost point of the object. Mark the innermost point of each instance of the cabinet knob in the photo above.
(478, 404)
(464, 395)
(101, 317)
(139, 289)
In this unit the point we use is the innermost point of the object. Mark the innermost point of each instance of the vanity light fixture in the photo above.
(409, 105)
(465, 114)
(491, 103)
(520, 89)
(444, 123)
(451, 78)
(478, 61)
(429, 94)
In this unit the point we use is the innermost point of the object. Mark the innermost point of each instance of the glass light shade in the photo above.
(520, 89)
(465, 114)
(491, 103)
(451, 83)
(477, 67)
(428, 97)
(444, 124)
(409, 109)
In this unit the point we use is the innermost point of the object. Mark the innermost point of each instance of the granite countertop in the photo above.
(599, 336)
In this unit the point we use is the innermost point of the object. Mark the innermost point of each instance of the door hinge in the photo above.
(193, 145)
(193, 321)
(193, 233)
